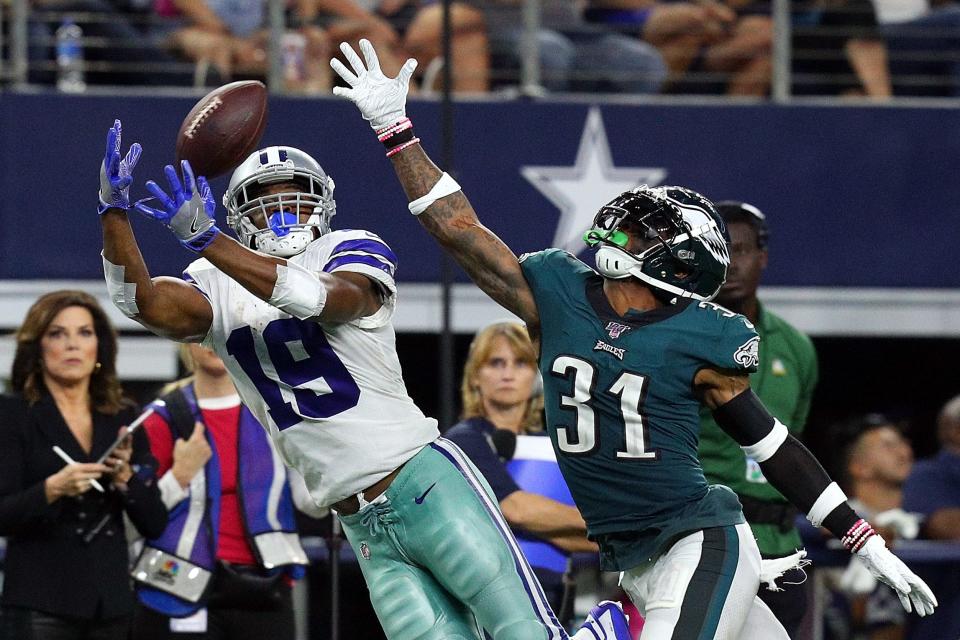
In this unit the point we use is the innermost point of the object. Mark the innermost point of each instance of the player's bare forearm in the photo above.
(453, 223)
(255, 272)
(348, 295)
(120, 247)
(168, 307)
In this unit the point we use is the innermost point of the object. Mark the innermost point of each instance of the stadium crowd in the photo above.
(873, 48)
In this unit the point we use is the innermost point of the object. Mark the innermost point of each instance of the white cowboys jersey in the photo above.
(331, 396)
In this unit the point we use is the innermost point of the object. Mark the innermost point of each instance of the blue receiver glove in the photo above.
(116, 174)
(189, 213)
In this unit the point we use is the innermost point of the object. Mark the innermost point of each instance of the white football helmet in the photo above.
(283, 235)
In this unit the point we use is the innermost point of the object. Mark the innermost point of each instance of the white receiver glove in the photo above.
(890, 570)
(382, 101)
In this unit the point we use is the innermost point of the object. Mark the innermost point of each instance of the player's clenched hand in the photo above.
(382, 101)
(116, 174)
(890, 570)
(188, 210)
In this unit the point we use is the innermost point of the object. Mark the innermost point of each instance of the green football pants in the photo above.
(439, 559)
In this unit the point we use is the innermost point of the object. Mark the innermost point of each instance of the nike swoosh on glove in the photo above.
(890, 570)
(189, 210)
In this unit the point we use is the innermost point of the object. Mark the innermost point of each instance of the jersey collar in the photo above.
(636, 319)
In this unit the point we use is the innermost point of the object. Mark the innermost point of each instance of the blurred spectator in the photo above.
(732, 39)
(838, 50)
(574, 54)
(500, 403)
(923, 39)
(232, 37)
(878, 461)
(115, 46)
(933, 488)
(421, 24)
(215, 458)
(784, 381)
(66, 573)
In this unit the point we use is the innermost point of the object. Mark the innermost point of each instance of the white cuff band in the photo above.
(832, 497)
(768, 445)
(298, 292)
(122, 294)
(444, 187)
(171, 493)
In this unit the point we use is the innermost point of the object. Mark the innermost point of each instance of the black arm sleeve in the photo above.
(798, 475)
(744, 418)
(791, 469)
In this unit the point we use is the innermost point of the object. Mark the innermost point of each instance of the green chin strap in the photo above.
(593, 237)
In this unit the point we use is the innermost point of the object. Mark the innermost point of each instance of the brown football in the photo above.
(223, 128)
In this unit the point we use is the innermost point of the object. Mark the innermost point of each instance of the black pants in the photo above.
(28, 624)
(222, 624)
(789, 605)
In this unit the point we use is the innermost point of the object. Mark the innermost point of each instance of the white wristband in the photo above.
(298, 292)
(123, 294)
(444, 187)
(831, 498)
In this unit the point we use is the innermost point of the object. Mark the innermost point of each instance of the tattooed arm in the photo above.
(450, 219)
(453, 222)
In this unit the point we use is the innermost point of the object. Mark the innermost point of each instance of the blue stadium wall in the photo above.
(862, 200)
(857, 197)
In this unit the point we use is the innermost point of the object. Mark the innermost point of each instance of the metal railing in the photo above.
(917, 58)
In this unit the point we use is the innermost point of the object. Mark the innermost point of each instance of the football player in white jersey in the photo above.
(300, 314)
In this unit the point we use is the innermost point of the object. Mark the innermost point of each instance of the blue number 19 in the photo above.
(319, 361)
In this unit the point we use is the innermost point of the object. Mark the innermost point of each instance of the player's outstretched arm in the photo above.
(188, 209)
(167, 306)
(797, 474)
(434, 196)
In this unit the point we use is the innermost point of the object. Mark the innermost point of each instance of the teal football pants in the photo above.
(439, 559)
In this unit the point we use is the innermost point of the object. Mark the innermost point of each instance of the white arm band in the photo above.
(761, 451)
(298, 292)
(122, 294)
(831, 498)
(444, 187)
(171, 493)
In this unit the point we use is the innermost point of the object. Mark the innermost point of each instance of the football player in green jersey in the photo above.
(628, 353)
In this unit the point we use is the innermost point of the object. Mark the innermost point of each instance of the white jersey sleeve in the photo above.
(361, 252)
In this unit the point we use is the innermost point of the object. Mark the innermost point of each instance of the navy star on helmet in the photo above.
(284, 235)
(688, 256)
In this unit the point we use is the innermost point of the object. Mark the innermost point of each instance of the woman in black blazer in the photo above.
(66, 574)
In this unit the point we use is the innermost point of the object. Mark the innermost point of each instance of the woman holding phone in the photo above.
(66, 574)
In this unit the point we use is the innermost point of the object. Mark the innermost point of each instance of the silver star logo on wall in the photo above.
(579, 191)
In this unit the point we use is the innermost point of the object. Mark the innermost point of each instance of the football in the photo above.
(223, 128)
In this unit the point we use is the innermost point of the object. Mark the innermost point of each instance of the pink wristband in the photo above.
(398, 149)
(857, 536)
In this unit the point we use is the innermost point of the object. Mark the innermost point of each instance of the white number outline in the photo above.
(630, 387)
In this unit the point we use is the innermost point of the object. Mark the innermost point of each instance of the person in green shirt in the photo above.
(784, 381)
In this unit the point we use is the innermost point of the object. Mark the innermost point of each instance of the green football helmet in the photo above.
(687, 255)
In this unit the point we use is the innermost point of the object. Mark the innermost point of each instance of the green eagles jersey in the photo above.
(620, 406)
